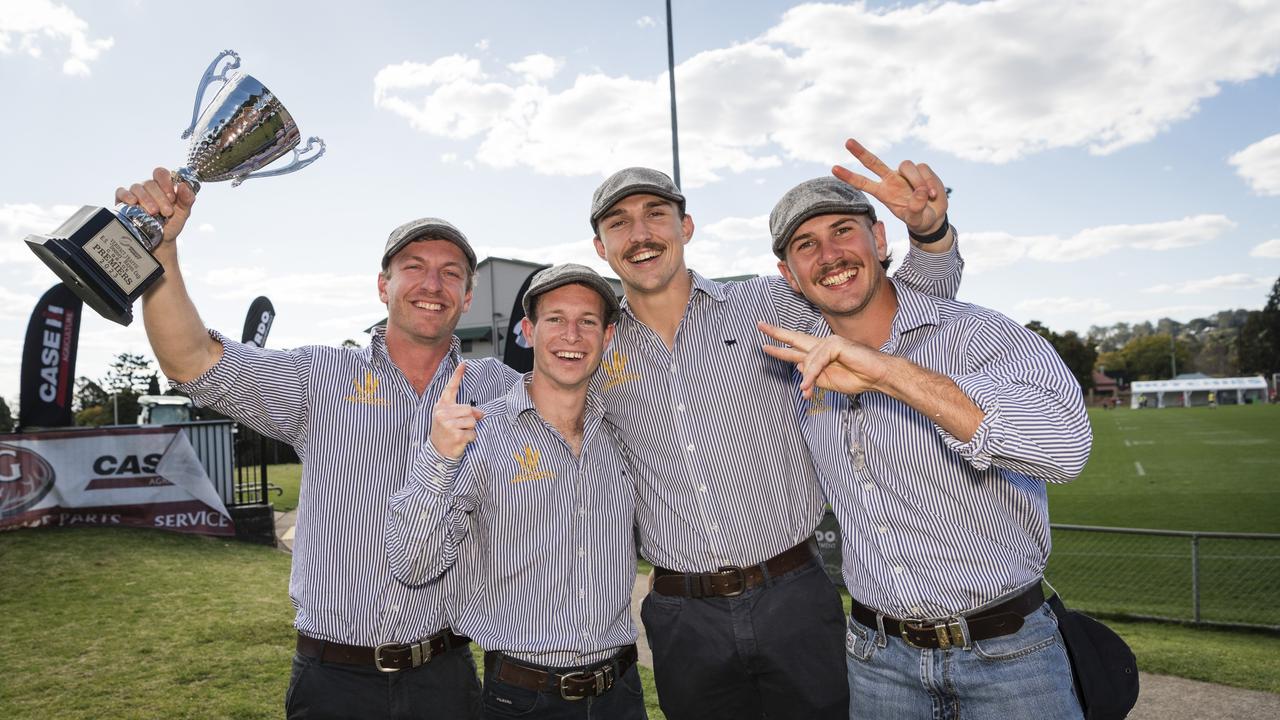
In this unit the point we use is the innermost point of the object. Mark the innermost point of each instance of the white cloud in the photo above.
(1022, 77)
(1057, 306)
(537, 68)
(482, 44)
(645, 22)
(984, 251)
(1268, 249)
(1234, 281)
(30, 21)
(1259, 164)
(19, 220)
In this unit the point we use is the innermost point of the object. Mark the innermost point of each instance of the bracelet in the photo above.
(934, 236)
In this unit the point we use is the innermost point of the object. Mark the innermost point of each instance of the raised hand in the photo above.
(453, 425)
(831, 362)
(913, 193)
(160, 197)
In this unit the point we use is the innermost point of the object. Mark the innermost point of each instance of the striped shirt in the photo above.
(933, 526)
(723, 473)
(356, 423)
(542, 539)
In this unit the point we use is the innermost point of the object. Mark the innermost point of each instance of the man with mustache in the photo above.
(945, 423)
(742, 619)
(535, 519)
(368, 646)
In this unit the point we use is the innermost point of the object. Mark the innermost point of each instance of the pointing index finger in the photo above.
(450, 394)
(797, 340)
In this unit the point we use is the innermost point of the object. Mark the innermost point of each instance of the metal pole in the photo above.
(1195, 577)
(115, 409)
(671, 75)
(1173, 356)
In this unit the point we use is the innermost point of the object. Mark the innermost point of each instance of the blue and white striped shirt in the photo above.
(543, 540)
(723, 474)
(933, 526)
(356, 423)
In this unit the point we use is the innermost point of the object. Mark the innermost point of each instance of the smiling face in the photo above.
(835, 261)
(569, 334)
(643, 237)
(425, 289)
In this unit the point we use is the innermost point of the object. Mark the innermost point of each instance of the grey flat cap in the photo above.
(427, 229)
(632, 181)
(568, 274)
(811, 198)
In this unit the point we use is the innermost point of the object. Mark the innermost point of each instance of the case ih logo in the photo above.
(25, 478)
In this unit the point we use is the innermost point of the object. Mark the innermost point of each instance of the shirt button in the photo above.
(680, 407)
(581, 593)
(424, 516)
(673, 368)
(897, 570)
(582, 510)
(917, 611)
(441, 466)
(582, 552)
(394, 608)
(868, 487)
(586, 634)
(714, 527)
(690, 447)
(883, 529)
(702, 488)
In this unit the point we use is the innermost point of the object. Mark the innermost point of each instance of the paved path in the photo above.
(1162, 697)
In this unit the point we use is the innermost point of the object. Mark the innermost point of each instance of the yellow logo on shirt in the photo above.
(818, 404)
(366, 391)
(528, 460)
(615, 366)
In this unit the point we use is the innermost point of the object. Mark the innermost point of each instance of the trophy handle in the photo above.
(294, 165)
(209, 78)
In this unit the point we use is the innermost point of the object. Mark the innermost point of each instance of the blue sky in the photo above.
(1111, 161)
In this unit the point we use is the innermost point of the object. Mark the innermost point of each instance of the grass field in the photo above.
(142, 624)
(1203, 469)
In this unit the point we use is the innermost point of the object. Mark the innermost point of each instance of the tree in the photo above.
(6, 417)
(1078, 355)
(1149, 357)
(1260, 337)
(114, 398)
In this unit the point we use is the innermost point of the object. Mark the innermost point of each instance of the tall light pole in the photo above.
(671, 76)
(1173, 356)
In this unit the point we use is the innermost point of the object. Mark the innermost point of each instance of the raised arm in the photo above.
(176, 333)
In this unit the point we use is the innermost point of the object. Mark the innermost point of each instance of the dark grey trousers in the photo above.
(446, 688)
(776, 651)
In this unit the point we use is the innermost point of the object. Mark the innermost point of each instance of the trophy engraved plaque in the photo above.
(104, 254)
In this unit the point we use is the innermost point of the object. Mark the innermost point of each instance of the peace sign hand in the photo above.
(913, 193)
(453, 425)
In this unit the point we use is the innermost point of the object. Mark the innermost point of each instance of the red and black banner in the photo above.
(49, 360)
(518, 354)
(257, 324)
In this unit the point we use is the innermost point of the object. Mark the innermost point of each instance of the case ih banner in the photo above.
(49, 360)
(130, 477)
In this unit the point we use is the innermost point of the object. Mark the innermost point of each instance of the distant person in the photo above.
(367, 645)
(1213, 400)
(741, 616)
(940, 424)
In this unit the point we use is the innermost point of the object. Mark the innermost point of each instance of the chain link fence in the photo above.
(1206, 578)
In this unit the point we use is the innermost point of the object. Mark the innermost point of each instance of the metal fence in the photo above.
(233, 457)
(1206, 578)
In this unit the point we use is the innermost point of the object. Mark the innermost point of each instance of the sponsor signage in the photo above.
(128, 477)
(49, 360)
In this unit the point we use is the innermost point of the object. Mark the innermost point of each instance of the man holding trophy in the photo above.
(368, 646)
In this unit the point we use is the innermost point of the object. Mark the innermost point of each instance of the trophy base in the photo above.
(101, 259)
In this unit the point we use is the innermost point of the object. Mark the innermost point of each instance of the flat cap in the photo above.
(428, 228)
(568, 274)
(811, 198)
(632, 181)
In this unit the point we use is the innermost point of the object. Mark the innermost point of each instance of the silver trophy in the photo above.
(104, 255)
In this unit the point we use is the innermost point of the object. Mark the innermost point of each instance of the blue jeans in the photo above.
(1023, 675)
(444, 689)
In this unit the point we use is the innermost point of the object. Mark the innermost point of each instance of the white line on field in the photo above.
(1141, 472)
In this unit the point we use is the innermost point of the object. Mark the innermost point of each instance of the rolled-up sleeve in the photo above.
(426, 520)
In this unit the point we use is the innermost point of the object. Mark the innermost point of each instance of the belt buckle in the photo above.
(742, 578)
(377, 657)
(948, 632)
(601, 679)
(911, 624)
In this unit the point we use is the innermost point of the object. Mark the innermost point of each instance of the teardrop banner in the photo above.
(49, 360)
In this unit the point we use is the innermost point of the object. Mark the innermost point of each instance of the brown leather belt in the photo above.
(1003, 619)
(388, 657)
(731, 580)
(591, 681)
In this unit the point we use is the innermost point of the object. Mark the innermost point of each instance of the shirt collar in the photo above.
(377, 350)
(710, 288)
(915, 310)
(519, 402)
